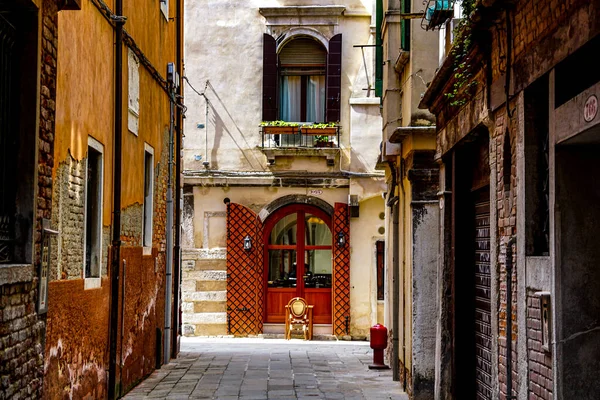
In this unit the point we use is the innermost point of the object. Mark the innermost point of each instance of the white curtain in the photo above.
(315, 99)
(291, 97)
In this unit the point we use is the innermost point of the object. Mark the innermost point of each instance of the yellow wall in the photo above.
(85, 90)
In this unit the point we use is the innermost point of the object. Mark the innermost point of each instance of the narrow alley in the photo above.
(256, 368)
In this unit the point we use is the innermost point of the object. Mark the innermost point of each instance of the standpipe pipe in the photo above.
(392, 203)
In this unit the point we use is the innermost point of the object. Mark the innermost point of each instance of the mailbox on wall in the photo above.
(546, 320)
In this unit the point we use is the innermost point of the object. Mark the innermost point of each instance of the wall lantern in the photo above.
(247, 243)
(341, 239)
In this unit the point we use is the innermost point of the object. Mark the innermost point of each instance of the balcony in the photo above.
(309, 140)
(437, 13)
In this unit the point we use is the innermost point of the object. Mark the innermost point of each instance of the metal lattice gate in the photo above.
(8, 139)
(244, 271)
(483, 327)
(341, 272)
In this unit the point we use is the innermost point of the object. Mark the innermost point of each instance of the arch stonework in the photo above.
(296, 32)
(294, 199)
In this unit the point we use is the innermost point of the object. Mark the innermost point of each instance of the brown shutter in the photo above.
(334, 79)
(269, 78)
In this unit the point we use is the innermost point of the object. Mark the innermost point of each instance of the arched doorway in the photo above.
(298, 261)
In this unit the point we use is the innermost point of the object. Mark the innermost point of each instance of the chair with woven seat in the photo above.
(298, 314)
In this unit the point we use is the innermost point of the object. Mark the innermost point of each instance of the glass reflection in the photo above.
(317, 232)
(282, 268)
(284, 231)
(317, 269)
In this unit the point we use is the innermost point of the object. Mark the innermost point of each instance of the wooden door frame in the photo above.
(270, 222)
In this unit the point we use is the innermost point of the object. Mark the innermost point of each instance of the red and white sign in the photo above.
(590, 110)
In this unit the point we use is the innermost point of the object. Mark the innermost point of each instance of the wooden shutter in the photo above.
(334, 79)
(269, 102)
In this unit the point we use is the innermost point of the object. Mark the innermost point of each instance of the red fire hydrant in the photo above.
(379, 337)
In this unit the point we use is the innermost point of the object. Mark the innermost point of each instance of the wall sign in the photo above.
(315, 192)
(590, 109)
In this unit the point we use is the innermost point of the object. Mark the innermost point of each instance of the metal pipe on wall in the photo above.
(116, 228)
(178, 186)
(169, 233)
(392, 203)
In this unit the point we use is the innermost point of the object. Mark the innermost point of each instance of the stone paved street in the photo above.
(256, 368)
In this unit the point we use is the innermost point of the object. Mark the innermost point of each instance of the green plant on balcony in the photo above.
(278, 123)
(279, 127)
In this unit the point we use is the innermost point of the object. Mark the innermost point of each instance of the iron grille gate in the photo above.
(7, 141)
(483, 328)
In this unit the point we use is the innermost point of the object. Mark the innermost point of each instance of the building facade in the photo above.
(409, 60)
(111, 316)
(28, 91)
(515, 100)
(281, 196)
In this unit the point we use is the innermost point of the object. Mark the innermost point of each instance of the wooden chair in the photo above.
(298, 314)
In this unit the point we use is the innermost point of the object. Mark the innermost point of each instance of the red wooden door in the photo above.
(298, 261)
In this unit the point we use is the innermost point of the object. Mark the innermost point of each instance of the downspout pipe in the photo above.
(116, 228)
(403, 282)
(169, 233)
(178, 195)
(509, 272)
(392, 203)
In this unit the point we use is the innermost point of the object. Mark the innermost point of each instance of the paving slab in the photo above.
(267, 368)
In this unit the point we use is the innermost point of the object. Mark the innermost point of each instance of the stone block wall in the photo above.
(539, 361)
(204, 292)
(22, 330)
(21, 337)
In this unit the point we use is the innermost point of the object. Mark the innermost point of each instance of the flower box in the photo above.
(329, 131)
(323, 144)
(280, 130)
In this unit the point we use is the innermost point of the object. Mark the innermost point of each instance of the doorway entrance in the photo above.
(298, 261)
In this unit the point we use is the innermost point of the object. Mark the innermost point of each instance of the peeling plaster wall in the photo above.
(76, 357)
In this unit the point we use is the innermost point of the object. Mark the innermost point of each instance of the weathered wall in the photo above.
(22, 330)
(233, 120)
(76, 359)
(363, 268)
(539, 362)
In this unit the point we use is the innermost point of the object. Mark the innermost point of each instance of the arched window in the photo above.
(302, 82)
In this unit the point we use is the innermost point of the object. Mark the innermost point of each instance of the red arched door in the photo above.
(298, 261)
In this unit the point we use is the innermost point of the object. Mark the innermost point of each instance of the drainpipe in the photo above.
(392, 203)
(116, 229)
(509, 270)
(401, 170)
(169, 233)
(178, 187)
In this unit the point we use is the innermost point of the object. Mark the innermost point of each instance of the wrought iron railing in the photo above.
(299, 137)
(437, 12)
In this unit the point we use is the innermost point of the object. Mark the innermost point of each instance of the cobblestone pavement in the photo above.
(256, 368)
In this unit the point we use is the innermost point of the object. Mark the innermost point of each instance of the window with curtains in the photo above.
(302, 79)
(302, 67)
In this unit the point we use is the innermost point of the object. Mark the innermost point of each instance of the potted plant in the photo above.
(322, 141)
(279, 127)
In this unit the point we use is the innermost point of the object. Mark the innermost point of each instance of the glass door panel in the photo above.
(317, 232)
(282, 268)
(317, 269)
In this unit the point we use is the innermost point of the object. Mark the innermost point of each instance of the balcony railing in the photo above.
(301, 136)
(437, 13)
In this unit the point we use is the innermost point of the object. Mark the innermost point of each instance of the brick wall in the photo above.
(539, 361)
(22, 330)
(506, 197)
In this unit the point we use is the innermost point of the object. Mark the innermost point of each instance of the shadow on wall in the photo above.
(232, 129)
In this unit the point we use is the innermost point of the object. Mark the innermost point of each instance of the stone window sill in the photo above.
(15, 273)
(92, 283)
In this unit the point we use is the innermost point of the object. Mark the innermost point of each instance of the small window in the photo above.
(164, 7)
(380, 260)
(134, 92)
(93, 209)
(148, 196)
